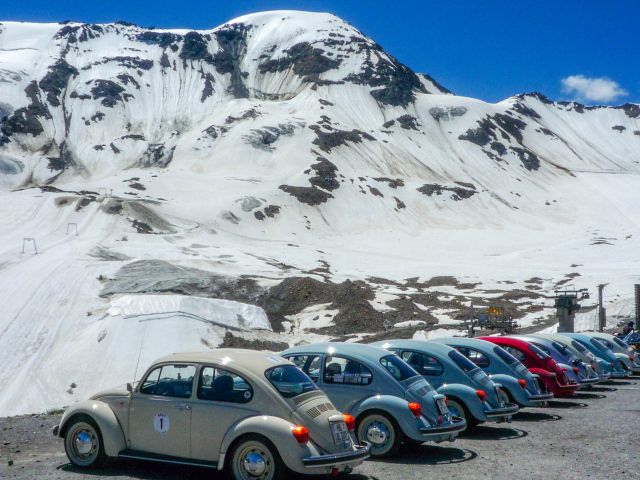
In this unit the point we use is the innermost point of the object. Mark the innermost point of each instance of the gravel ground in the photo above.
(594, 435)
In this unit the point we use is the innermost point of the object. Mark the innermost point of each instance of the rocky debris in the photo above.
(251, 113)
(325, 176)
(392, 82)
(56, 80)
(374, 191)
(232, 341)
(269, 211)
(447, 113)
(305, 60)
(391, 182)
(158, 276)
(631, 109)
(399, 203)
(334, 138)
(125, 78)
(408, 122)
(460, 192)
(195, 47)
(162, 39)
(110, 92)
(618, 128)
(156, 155)
(294, 294)
(488, 126)
(529, 159)
(264, 138)
(232, 40)
(25, 120)
(309, 195)
(107, 255)
(525, 110)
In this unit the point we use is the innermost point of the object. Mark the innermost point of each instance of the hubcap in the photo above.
(254, 464)
(377, 433)
(84, 443)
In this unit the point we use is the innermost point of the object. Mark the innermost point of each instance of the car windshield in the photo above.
(290, 381)
(397, 367)
(461, 361)
(539, 353)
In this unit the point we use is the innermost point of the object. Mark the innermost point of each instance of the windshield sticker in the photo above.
(161, 423)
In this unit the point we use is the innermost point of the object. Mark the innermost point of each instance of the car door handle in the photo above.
(183, 407)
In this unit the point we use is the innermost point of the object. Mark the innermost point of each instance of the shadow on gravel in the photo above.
(493, 433)
(536, 417)
(602, 389)
(146, 471)
(430, 455)
(557, 404)
(584, 395)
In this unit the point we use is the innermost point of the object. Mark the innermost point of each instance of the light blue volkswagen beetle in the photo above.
(520, 384)
(390, 400)
(470, 393)
(601, 351)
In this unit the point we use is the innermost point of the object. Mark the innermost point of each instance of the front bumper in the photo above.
(502, 414)
(588, 381)
(618, 374)
(540, 397)
(562, 390)
(360, 453)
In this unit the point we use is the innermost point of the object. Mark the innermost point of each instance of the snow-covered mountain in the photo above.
(285, 160)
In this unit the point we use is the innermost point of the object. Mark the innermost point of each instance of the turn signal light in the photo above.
(481, 395)
(301, 433)
(415, 408)
(522, 382)
(576, 369)
(350, 420)
(632, 357)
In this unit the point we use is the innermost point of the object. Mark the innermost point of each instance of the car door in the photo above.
(345, 381)
(160, 411)
(222, 399)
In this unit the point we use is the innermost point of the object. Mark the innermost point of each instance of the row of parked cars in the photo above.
(324, 408)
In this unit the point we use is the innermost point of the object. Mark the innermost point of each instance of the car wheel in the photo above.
(254, 458)
(83, 443)
(382, 432)
(459, 409)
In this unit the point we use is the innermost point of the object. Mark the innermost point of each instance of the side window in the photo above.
(221, 385)
(423, 364)
(170, 381)
(347, 371)
(309, 364)
(476, 356)
(515, 352)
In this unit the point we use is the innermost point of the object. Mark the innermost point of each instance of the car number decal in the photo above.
(161, 423)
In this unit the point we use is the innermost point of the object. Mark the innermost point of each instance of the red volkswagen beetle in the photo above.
(539, 363)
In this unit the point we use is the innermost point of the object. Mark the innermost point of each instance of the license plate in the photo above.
(340, 432)
(442, 406)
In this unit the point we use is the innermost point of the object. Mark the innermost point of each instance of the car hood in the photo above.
(119, 391)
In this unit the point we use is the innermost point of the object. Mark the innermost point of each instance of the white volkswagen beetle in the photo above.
(253, 412)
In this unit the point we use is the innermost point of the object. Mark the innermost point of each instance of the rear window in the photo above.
(543, 348)
(505, 356)
(603, 343)
(538, 352)
(578, 346)
(560, 347)
(290, 381)
(397, 367)
(620, 343)
(463, 362)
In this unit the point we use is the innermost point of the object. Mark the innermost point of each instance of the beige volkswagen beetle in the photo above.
(253, 412)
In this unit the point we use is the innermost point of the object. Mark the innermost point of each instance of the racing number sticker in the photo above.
(161, 423)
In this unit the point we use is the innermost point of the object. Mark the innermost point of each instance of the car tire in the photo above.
(255, 458)
(459, 409)
(381, 431)
(83, 443)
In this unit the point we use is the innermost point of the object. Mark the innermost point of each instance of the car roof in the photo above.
(359, 350)
(464, 342)
(418, 345)
(241, 359)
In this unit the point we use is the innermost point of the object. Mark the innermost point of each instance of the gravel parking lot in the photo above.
(594, 435)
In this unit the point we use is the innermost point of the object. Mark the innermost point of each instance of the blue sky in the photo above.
(488, 49)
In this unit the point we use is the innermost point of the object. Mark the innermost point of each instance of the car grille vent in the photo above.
(319, 410)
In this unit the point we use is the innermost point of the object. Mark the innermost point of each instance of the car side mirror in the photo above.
(129, 388)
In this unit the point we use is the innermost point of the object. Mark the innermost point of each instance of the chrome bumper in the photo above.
(361, 452)
(457, 425)
(509, 409)
(541, 397)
